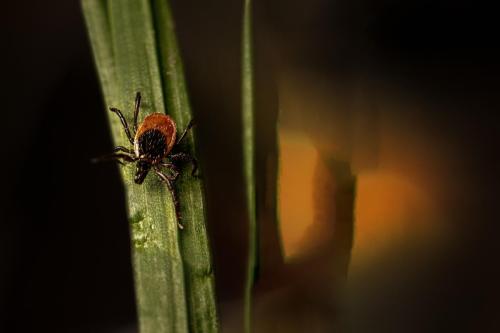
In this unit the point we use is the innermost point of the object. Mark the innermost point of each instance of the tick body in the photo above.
(153, 142)
(152, 149)
(155, 137)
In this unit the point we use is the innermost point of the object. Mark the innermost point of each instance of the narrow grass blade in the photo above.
(248, 118)
(99, 32)
(200, 294)
(124, 43)
(157, 260)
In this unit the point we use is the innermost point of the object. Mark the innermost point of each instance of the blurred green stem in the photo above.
(249, 159)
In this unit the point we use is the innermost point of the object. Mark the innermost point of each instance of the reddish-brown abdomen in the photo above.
(162, 123)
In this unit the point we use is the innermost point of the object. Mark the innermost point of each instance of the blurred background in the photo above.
(388, 186)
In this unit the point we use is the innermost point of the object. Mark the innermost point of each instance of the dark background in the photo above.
(64, 251)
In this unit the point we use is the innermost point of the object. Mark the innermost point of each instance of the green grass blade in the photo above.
(194, 241)
(99, 32)
(168, 284)
(157, 260)
(247, 98)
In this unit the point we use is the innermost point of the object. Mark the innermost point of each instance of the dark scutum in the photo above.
(152, 144)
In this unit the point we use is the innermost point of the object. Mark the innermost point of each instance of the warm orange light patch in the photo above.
(298, 159)
(400, 161)
(390, 208)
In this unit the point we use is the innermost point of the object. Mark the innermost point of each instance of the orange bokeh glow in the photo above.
(297, 162)
(390, 206)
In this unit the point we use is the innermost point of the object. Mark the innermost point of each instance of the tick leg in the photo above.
(172, 168)
(189, 126)
(118, 157)
(167, 180)
(136, 109)
(123, 149)
(124, 124)
(183, 157)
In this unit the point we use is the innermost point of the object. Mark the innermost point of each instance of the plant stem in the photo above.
(249, 159)
(194, 240)
(172, 269)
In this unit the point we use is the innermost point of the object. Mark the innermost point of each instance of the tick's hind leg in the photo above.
(169, 182)
(124, 124)
(172, 168)
(184, 157)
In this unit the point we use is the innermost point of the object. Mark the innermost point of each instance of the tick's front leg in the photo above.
(136, 109)
(124, 124)
(188, 127)
(123, 149)
(118, 157)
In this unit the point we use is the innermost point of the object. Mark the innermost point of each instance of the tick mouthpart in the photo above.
(141, 171)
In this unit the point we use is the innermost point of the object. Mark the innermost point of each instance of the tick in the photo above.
(153, 143)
